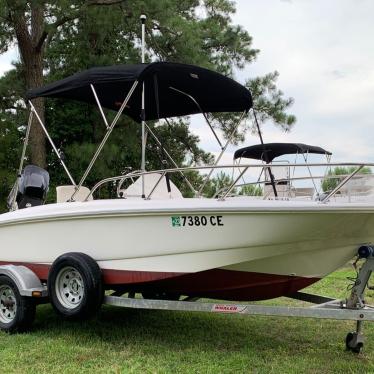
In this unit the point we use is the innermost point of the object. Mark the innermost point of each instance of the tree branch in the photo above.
(40, 43)
(53, 28)
(104, 2)
(37, 24)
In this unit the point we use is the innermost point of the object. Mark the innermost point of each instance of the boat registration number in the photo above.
(182, 221)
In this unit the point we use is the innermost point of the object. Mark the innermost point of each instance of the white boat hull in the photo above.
(242, 249)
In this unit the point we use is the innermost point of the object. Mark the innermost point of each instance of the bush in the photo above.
(328, 184)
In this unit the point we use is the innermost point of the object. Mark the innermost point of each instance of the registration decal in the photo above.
(182, 221)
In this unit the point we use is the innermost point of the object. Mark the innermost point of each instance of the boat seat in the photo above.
(283, 186)
(150, 180)
(64, 193)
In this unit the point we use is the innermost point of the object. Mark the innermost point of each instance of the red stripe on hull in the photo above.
(215, 283)
(231, 285)
(110, 276)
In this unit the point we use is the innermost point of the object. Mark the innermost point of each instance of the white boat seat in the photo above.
(281, 174)
(150, 180)
(64, 193)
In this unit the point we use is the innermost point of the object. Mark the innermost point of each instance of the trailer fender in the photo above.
(27, 282)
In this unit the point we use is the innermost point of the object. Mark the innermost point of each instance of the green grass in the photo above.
(132, 341)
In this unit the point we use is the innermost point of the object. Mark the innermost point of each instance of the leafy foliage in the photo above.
(218, 184)
(269, 101)
(251, 190)
(9, 159)
(328, 184)
(12, 126)
(222, 181)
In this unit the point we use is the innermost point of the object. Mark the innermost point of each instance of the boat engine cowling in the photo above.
(33, 186)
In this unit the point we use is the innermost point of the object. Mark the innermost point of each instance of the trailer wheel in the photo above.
(17, 312)
(75, 286)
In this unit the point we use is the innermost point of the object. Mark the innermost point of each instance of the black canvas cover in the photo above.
(274, 150)
(213, 91)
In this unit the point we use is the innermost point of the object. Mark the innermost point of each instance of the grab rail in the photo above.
(163, 172)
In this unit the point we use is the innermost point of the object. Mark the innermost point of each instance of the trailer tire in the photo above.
(17, 312)
(75, 286)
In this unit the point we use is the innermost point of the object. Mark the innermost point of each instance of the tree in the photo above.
(12, 125)
(32, 24)
(67, 36)
(251, 190)
(218, 184)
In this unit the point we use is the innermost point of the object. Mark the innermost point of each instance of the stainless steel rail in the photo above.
(279, 181)
(343, 182)
(14, 191)
(52, 143)
(243, 166)
(223, 150)
(189, 184)
(101, 145)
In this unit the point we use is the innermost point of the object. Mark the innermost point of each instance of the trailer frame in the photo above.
(354, 308)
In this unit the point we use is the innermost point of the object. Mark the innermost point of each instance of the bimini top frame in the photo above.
(274, 150)
(147, 92)
(166, 89)
(267, 152)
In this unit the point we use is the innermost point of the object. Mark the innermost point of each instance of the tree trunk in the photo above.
(32, 52)
(34, 78)
(28, 19)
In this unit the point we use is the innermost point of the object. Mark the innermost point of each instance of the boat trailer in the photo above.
(354, 308)
(21, 290)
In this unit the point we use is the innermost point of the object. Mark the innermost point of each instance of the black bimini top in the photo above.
(274, 150)
(162, 81)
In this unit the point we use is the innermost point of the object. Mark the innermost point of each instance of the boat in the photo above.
(150, 239)
(232, 249)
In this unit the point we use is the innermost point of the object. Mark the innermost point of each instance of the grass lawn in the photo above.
(132, 341)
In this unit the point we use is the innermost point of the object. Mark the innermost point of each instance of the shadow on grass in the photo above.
(131, 340)
(170, 329)
(181, 331)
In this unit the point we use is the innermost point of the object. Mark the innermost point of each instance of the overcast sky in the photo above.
(324, 52)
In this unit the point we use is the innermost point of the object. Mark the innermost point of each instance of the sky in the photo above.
(324, 52)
